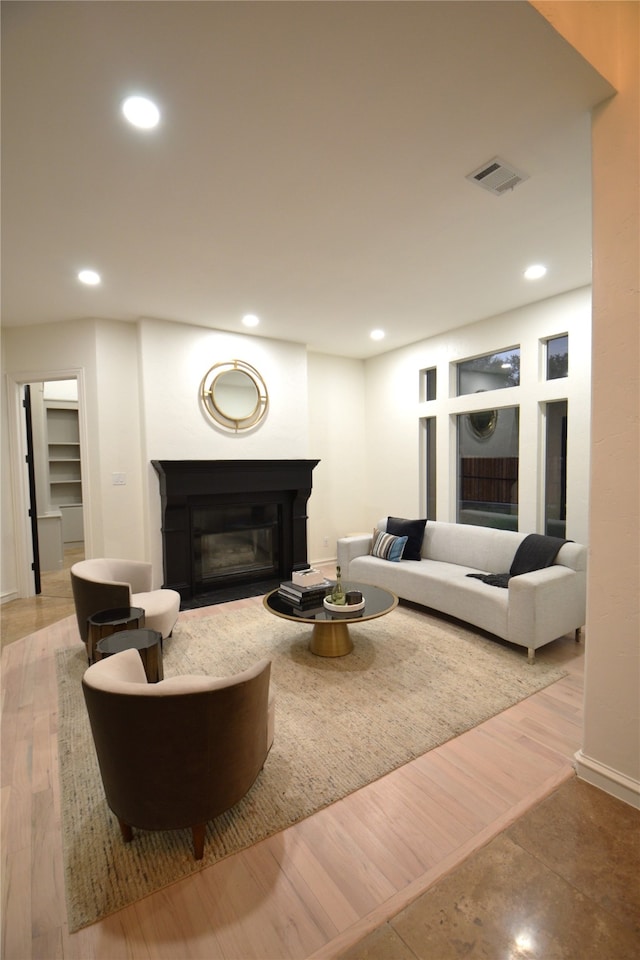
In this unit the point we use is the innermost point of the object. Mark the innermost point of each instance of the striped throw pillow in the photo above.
(387, 547)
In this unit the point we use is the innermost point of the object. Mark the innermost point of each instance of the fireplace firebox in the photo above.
(228, 523)
(235, 541)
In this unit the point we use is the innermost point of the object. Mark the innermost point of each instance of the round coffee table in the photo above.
(330, 636)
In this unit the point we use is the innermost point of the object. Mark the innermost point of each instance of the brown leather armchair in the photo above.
(107, 584)
(180, 752)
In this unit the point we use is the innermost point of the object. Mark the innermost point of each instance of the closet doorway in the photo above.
(58, 473)
(49, 481)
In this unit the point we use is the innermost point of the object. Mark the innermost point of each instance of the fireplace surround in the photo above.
(228, 523)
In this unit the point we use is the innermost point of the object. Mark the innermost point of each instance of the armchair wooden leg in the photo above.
(198, 840)
(126, 831)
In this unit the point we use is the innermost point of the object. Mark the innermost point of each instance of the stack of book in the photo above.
(305, 597)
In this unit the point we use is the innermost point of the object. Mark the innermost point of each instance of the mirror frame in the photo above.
(213, 408)
(483, 423)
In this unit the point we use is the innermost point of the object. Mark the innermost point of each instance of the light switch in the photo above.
(118, 479)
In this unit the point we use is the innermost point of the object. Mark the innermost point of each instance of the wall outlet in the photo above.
(118, 479)
(325, 542)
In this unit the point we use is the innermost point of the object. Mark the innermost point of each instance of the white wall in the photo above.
(140, 401)
(337, 417)
(606, 34)
(360, 419)
(174, 358)
(66, 350)
(116, 443)
(394, 409)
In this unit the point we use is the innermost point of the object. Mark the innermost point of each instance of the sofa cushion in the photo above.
(387, 547)
(440, 586)
(480, 548)
(413, 530)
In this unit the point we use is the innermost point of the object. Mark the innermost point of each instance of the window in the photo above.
(558, 357)
(428, 384)
(488, 462)
(555, 489)
(430, 465)
(494, 371)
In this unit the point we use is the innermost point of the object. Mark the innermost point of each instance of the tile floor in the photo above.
(562, 883)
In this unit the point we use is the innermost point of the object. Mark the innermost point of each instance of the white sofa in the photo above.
(533, 610)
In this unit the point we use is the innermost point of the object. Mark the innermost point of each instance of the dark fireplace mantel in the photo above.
(189, 487)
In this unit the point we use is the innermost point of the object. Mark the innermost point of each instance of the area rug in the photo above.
(412, 682)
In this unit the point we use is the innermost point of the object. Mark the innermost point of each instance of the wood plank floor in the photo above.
(310, 891)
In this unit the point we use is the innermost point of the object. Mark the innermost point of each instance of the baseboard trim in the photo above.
(8, 597)
(611, 781)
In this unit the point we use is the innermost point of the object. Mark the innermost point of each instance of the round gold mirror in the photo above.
(234, 395)
(483, 424)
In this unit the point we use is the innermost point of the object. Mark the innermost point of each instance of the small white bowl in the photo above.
(342, 607)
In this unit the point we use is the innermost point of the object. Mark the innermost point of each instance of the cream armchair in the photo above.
(177, 753)
(107, 584)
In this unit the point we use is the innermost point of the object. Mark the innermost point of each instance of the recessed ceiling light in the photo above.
(535, 271)
(141, 112)
(250, 320)
(377, 334)
(90, 277)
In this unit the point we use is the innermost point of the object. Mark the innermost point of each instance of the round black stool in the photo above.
(147, 642)
(106, 622)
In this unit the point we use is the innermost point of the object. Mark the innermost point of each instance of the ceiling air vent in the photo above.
(497, 177)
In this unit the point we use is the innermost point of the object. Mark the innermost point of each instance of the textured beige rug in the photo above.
(412, 682)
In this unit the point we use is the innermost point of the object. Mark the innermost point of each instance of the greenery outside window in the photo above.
(493, 371)
(558, 357)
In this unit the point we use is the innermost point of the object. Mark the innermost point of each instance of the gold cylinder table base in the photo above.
(330, 638)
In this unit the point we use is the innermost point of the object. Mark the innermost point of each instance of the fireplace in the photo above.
(235, 541)
(232, 523)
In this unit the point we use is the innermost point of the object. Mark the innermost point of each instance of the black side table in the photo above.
(106, 622)
(147, 642)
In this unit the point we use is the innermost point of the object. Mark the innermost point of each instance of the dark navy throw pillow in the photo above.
(413, 530)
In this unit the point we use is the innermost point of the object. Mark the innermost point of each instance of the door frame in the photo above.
(33, 496)
(19, 473)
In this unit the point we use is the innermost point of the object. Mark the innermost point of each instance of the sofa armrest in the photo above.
(351, 547)
(545, 604)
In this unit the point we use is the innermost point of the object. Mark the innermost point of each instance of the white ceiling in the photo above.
(310, 165)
